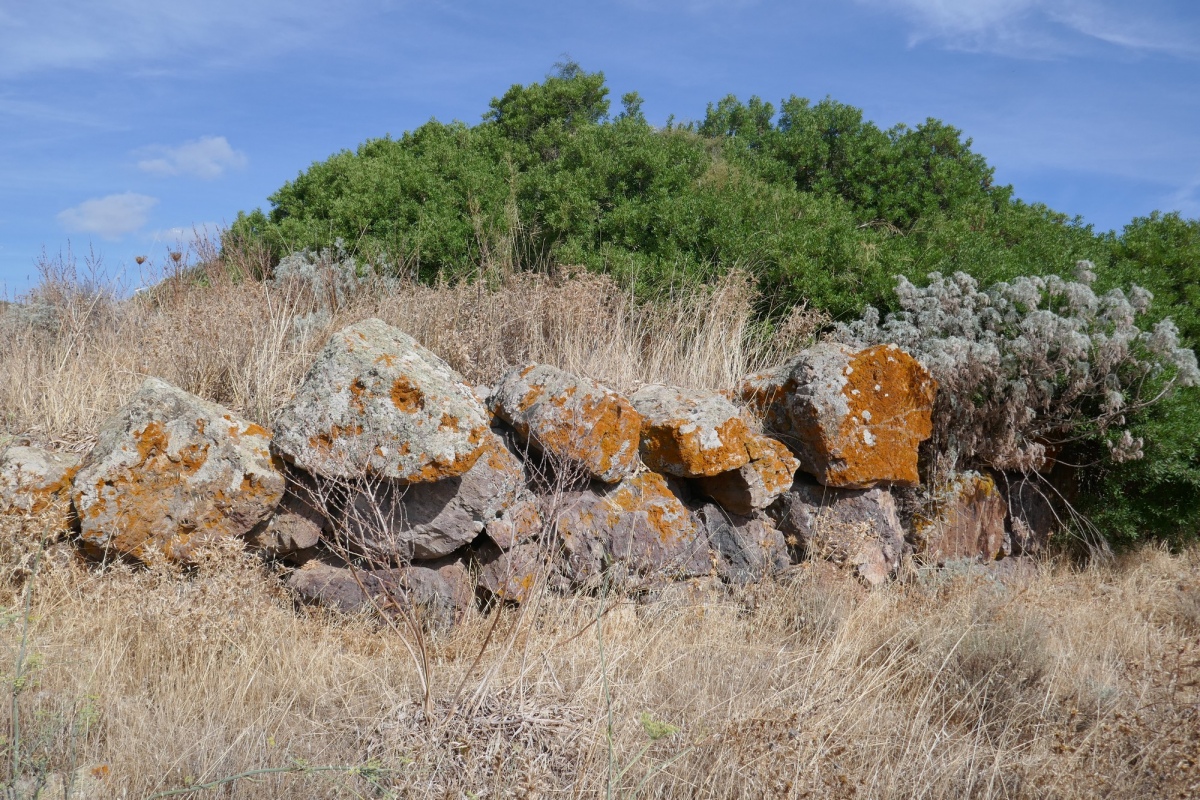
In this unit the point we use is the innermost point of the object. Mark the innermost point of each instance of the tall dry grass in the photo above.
(1073, 684)
(78, 351)
(119, 682)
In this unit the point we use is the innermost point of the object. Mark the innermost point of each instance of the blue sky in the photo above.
(126, 123)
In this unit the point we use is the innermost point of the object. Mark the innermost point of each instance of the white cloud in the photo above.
(109, 217)
(206, 157)
(1045, 28)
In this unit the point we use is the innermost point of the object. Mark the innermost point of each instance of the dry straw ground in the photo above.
(1078, 682)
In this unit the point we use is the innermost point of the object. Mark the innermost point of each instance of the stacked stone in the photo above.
(388, 480)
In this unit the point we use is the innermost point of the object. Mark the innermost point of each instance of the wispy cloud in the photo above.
(109, 217)
(147, 35)
(206, 157)
(1046, 28)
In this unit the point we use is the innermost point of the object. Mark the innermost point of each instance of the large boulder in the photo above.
(962, 519)
(573, 420)
(853, 417)
(376, 404)
(691, 434)
(747, 548)
(857, 528)
(640, 525)
(32, 480)
(171, 472)
(442, 588)
(755, 485)
(395, 522)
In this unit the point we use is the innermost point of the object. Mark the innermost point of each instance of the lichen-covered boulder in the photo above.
(511, 575)
(755, 485)
(396, 522)
(640, 525)
(747, 548)
(856, 528)
(170, 472)
(32, 480)
(963, 518)
(690, 434)
(854, 418)
(442, 588)
(571, 419)
(376, 404)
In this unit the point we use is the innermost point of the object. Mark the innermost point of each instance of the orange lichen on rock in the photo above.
(690, 434)
(405, 396)
(854, 418)
(754, 486)
(571, 419)
(166, 477)
(33, 480)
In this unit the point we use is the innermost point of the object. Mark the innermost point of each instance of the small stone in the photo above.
(748, 548)
(511, 575)
(295, 527)
(442, 587)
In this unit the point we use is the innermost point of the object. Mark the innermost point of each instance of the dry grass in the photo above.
(123, 682)
(1073, 685)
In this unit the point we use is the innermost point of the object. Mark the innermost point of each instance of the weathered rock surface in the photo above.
(32, 479)
(571, 419)
(296, 525)
(511, 575)
(376, 404)
(171, 471)
(858, 528)
(442, 587)
(964, 518)
(690, 434)
(518, 523)
(754, 486)
(748, 549)
(639, 524)
(1032, 515)
(397, 522)
(854, 418)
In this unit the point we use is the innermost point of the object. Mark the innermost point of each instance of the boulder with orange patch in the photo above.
(962, 519)
(571, 419)
(755, 486)
(854, 418)
(171, 472)
(512, 575)
(32, 480)
(395, 522)
(376, 404)
(639, 526)
(689, 433)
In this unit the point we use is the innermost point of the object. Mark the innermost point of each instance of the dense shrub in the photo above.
(1031, 365)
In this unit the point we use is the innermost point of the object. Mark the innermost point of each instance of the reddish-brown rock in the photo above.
(853, 418)
(639, 524)
(377, 405)
(573, 420)
(295, 527)
(442, 587)
(755, 486)
(855, 528)
(513, 574)
(518, 523)
(171, 472)
(689, 433)
(32, 480)
(962, 519)
(747, 548)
